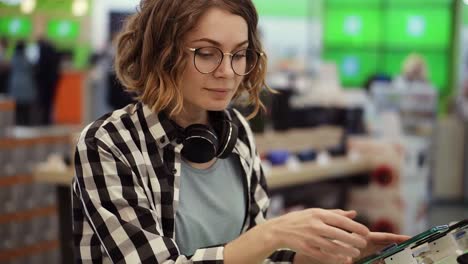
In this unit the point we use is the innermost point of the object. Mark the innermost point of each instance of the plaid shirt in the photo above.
(126, 190)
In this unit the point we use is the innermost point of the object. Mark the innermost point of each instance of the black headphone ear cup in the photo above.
(200, 144)
(227, 139)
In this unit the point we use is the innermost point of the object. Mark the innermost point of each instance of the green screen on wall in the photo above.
(465, 14)
(63, 30)
(15, 27)
(354, 67)
(353, 3)
(345, 27)
(427, 28)
(437, 63)
(420, 3)
(281, 8)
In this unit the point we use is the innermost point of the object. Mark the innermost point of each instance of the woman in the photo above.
(153, 186)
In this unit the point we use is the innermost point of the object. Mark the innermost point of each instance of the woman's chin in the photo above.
(216, 106)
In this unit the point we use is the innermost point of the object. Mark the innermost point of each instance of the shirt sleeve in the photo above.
(261, 202)
(118, 213)
(261, 198)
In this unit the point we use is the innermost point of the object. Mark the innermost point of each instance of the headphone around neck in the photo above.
(202, 143)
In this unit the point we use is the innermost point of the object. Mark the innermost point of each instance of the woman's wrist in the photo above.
(253, 246)
(268, 237)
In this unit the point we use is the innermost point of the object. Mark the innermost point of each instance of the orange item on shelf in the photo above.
(68, 99)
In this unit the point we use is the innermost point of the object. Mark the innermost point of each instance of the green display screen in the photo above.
(437, 63)
(353, 3)
(419, 3)
(54, 6)
(345, 27)
(354, 67)
(63, 30)
(465, 14)
(281, 8)
(427, 28)
(15, 27)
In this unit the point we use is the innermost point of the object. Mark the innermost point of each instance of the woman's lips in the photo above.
(219, 92)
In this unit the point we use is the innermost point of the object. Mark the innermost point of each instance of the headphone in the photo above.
(202, 143)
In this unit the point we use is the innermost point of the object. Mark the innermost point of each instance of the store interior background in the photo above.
(402, 165)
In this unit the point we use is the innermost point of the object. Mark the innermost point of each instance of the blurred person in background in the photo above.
(22, 86)
(4, 65)
(47, 77)
(414, 72)
(176, 177)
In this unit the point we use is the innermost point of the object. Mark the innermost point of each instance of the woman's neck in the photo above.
(189, 117)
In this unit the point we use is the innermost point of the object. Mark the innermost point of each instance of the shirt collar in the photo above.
(159, 125)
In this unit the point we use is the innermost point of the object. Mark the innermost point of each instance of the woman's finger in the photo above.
(334, 233)
(350, 214)
(345, 223)
(386, 238)
(332, 246)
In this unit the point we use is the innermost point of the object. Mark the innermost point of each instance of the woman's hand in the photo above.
(376, 241)
(330, 236)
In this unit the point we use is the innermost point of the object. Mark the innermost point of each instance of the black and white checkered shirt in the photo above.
(126, 190)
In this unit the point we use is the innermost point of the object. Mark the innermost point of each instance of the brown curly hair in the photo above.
(150, 54)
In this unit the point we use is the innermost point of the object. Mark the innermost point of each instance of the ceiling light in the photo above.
(28, 6)
(80, 7)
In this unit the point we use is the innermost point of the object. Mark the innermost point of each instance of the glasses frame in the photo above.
(195, 50)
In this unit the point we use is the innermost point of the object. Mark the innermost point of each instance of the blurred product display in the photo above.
(29, 215)
(416, 106)
(400, 183)
(449, 160)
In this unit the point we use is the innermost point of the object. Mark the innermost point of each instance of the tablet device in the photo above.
(395, 248)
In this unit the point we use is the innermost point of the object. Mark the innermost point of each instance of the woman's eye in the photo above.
(239, 56)
(205, 54)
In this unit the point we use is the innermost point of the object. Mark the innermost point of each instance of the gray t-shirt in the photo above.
(212, 205)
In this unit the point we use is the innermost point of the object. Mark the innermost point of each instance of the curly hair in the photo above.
(150, 54)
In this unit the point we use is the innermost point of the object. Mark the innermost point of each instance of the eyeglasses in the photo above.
(208, 59)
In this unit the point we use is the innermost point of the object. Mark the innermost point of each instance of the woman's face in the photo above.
(213, 91)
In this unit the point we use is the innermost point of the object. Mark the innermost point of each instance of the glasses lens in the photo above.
(244, 61)
(207, 59)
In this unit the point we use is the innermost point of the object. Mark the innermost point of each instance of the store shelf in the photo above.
(26, 215)
(278, 177)
(296, 140)
(17, 179)
(59, 177)
(30, 140)
(29, 250)
(309, 172)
